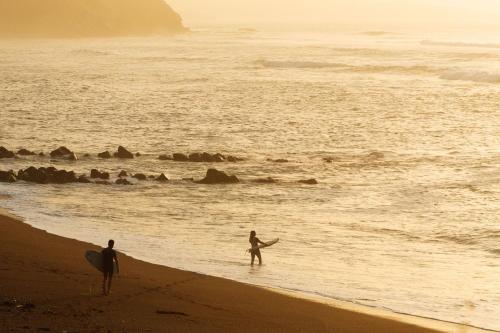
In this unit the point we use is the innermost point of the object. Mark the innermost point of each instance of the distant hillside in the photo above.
(87, 18)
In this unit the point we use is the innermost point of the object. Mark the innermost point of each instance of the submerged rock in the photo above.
(5, 153)
(162, 178)
(123, 153)
(7, 177)
(140, 176)
(83, 179)
(311, 181)
(104, 154)
(25, 152)
(123, 173)
(215, 176)
(94, 173)
(164, 157)
(48, 175)
(122, 181)
(267, 180)
(63, 152)
(180, 157)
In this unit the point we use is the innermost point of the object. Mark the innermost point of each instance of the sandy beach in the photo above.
(46, 285)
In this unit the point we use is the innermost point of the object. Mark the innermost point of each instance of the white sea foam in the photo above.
(461, 44)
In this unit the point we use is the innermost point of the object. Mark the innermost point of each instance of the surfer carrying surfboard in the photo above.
(255, 251)
(108, 259)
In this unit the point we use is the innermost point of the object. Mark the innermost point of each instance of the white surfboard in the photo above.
(95, 259)
(266, 244)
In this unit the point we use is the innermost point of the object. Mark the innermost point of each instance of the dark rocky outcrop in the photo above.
(123, 173)
(215, 176)
(162, 178)
(164, 157)
(7, 177)
(86, 18)
(63, 152)
(5, 153)
(279, 160)
(48, 175)
(83, 179)
(311, 181)
(122, 181)
(140, 176)
(138, 154)
(104, 154)
(180, 157)
(25, 152)
(94, 173)
(123, 153)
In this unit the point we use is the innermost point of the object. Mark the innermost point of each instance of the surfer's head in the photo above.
(111, 243)
(253, 233)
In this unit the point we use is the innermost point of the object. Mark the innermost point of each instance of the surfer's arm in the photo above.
(260, 242)
(117, 265)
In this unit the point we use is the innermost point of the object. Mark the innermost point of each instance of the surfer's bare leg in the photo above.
(109, 282)
(260, 258)
(105, 277)
(253, 258)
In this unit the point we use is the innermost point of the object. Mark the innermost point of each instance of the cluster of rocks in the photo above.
(215, 176)
(5, 153)
(200, 157)
(122, 152)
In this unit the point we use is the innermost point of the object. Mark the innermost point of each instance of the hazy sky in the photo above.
(361, 13)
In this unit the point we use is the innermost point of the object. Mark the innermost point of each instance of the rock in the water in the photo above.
(279, 160)
(267, 180)
(164, 157)
(311, 181)
(94, 173)
(122, 181)
(195, 157)
(41, 154)
(25, 152)
(60, 152)
(162, 178)
(47, 175)
(140, 176)
(206, 157)
(138, 154)
(83, 179)
(7, 177)
(104, 154)
(5, 153)
(63, 152)
(215, 176)
(123, 153)
(123, 173)
(233, 159)
(218, 158)
(180, 157)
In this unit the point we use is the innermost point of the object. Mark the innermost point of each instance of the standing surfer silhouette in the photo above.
(108, 259)
(255, 251)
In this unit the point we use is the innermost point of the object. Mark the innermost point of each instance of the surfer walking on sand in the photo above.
(108, 259)
(255, 251)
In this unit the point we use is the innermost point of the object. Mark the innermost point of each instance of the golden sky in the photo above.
(362, 13)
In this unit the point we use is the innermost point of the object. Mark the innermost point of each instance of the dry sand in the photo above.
(55, 290)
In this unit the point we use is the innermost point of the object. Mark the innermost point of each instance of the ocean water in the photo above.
(405, 216)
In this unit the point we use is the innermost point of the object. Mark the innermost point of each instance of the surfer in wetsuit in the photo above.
(108, 259)
(255, 251)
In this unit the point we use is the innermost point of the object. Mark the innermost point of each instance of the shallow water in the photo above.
(404, 217)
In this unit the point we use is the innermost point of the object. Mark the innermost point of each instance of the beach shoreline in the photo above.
(49, 272)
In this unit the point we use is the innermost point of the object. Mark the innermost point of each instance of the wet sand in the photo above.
(55, 290)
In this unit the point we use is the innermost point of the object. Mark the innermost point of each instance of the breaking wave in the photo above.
(298, 64)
